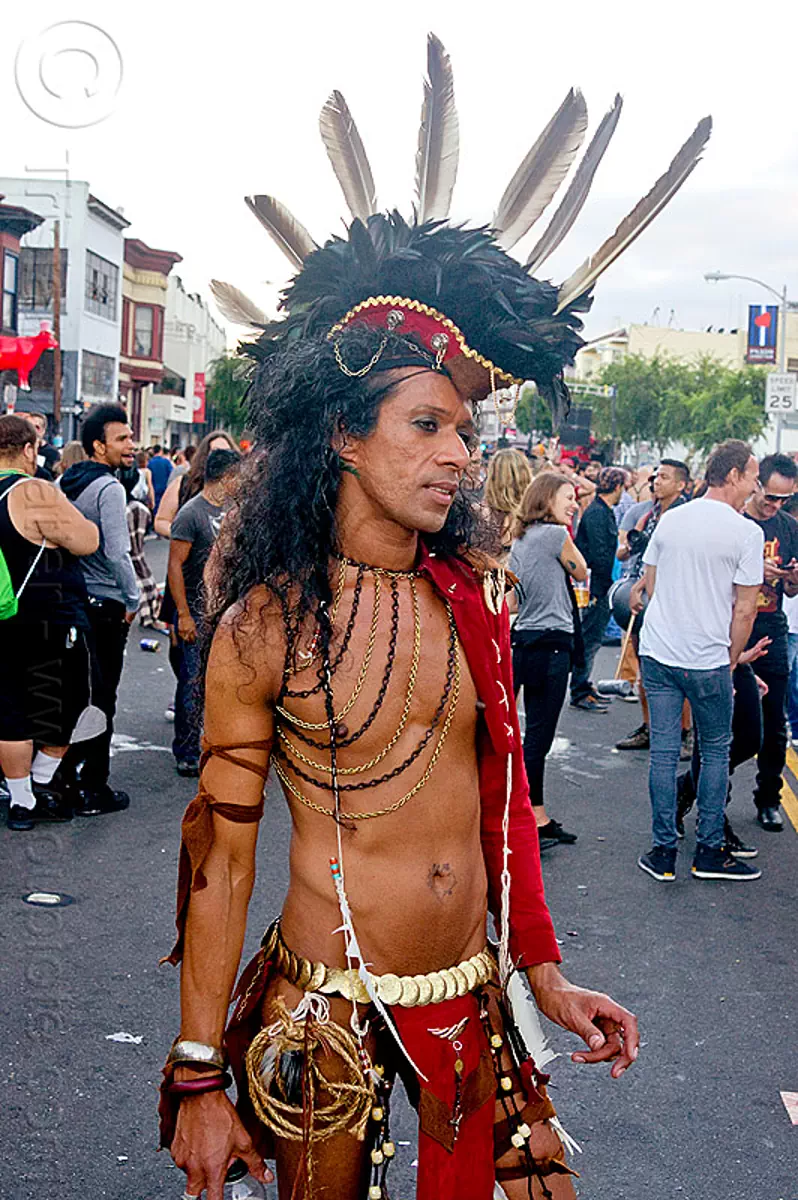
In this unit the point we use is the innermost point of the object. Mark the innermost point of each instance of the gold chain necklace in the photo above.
(316, 726)
(366, 816)
(411, 683)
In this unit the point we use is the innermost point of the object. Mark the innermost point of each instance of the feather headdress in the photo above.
(455, 289)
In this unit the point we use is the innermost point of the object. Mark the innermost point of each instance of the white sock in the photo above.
(21, 792)
(44, 767)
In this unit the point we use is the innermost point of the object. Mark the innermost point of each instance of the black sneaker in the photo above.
(188, 768)
(51, 805)
(710, 863)
(640, 739)
(686, 750)
(604, 701)
(94, 803)
(659, 863)
(20, 818)
(589, 704)
(735, 845)
(555, 832)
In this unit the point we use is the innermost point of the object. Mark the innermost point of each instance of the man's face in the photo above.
(409, 467)
(592, 471)
(769, 497)
(117, 449)
(746, 483)
(668, 483)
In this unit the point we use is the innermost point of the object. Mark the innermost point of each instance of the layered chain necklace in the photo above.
(291, 760)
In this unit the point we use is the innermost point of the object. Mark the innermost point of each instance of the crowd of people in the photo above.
(74, 576)
(700, 575)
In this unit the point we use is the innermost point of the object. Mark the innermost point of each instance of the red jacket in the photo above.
(485, 638)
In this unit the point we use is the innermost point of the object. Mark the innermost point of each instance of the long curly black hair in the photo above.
(283, 530)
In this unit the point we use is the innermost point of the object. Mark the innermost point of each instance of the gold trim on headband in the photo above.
(425, 310)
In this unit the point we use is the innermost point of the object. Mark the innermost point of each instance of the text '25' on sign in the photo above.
(780, 396)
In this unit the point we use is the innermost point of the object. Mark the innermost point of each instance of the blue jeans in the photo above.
(710, 696)
(188, 711)
(792, 686)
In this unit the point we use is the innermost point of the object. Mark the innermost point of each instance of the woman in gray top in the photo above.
(545, 560)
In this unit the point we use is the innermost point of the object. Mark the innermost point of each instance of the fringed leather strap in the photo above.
(197, 828)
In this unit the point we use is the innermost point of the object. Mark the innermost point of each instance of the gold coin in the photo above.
(450, 983)
(304, 972)
(389, 988)
(317, 978)
(481, 968)
(410, 992)
(356, 988)
(438, 986)
(334, 982)
(424, 989)
(292, 966)
(460, 979)
(470, 972)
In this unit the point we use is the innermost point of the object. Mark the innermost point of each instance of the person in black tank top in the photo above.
(44, 684)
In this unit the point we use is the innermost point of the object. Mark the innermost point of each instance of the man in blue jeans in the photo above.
(703, 567)
(194, 531)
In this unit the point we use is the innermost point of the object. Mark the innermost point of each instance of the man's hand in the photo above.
(186, 627)
(209, 1135)
(772, 572)
(608, 1029)
(636, 601)
(130, 617)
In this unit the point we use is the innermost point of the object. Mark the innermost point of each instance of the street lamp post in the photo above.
(717, 277)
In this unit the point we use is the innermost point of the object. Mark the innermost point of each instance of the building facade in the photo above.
(92, 241)
(141, 361)
(193, 339)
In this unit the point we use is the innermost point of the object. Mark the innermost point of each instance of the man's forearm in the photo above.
(741, 627)
(177, 586)
(215, 927)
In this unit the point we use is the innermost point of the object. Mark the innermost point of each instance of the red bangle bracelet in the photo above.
(195, 1087)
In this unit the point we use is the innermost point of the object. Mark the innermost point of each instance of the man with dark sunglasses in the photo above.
(777, 482)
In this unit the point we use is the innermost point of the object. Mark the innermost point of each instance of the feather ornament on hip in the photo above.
(641, 215)
(578, 189)
(280, 223)
(348, 157)
(236, 307)
(536, 181)
(438, 138)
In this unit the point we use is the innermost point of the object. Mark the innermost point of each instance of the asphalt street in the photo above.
(709, 968)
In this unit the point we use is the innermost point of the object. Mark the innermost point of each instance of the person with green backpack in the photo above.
(44, 654)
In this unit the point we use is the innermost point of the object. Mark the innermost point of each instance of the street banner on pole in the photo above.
(199, 397)
(763, 324)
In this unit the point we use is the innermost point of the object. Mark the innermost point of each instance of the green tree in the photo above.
(661, 400)
(230, 376)
(533, 413)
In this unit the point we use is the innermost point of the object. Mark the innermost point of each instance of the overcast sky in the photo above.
(212, 107)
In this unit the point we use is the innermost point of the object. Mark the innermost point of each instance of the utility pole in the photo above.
(57, 326)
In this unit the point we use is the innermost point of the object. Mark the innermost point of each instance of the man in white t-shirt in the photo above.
(703, 570)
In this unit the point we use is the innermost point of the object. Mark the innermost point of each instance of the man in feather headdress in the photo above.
(360, 647)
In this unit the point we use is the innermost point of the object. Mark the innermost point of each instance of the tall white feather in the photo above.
(236, 307)
(280, 223)
(527, 1018)
(348, 157)
(539, 176)
(578, 189)
(641, 215)
(438, 138)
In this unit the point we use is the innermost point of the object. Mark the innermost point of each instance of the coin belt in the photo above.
(410, 991)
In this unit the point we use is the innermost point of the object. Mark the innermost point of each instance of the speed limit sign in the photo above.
(780, 396)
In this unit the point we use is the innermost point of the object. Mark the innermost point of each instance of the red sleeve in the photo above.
(532, 938)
